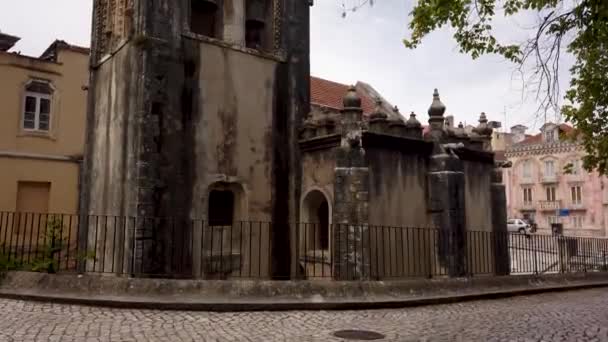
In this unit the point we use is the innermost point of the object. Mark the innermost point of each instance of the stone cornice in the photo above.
(541, 149)
(393, 142)
(37, 156)
(320, 143)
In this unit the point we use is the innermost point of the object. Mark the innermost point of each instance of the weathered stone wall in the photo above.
(397, 188)
(478, 208)
(171, 113)
(318, 172)
(478, 181)
(233, 139)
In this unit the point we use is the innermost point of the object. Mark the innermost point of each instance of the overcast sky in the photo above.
(366, 45)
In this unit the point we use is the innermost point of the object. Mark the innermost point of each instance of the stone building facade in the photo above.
(547, 183)
(202, 109)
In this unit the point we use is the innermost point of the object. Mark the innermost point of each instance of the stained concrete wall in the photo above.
(478, 181)
(478, 212)
(112, 158)
(234, 130)
(233, 142)
(113, 147)
(397, 188)
(318, 173)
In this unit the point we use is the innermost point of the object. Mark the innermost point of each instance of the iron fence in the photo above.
(170, 247)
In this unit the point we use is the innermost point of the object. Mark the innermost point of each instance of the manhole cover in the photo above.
(361, 335)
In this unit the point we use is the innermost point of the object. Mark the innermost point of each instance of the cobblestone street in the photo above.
(567, 316)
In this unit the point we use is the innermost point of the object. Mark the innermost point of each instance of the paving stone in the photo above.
(567, 316)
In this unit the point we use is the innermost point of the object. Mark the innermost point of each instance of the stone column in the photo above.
(446, 196)
(499, 221)
(350, 237)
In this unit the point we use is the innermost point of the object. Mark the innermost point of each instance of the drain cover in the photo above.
(361, 335)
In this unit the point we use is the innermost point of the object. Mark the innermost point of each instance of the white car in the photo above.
(518, 225)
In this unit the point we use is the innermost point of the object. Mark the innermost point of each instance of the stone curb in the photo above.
(236, 306)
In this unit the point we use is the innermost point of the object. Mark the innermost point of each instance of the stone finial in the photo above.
(437, 108)
(351, 99)
(412, 122)
(483, 129)
(396, 126)
(459, 131)
(378, 114)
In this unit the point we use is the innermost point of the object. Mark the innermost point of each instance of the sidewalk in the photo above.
(247, 295)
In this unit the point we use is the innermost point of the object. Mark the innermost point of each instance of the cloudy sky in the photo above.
(366, 46)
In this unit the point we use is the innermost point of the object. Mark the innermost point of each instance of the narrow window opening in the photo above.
(221, 208)
(203, 17)
(255, 24)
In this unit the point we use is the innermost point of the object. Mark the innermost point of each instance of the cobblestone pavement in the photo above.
(567, 316)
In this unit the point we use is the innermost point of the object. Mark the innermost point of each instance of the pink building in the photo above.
(538, 188)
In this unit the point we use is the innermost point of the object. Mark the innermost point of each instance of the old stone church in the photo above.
(201, 109)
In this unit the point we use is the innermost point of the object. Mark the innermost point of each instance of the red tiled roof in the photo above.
(537, 139)
(329, 94)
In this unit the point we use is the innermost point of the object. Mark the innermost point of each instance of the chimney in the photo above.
(519, 133)
(449, 120)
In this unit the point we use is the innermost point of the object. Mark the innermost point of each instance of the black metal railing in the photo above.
(170, 247)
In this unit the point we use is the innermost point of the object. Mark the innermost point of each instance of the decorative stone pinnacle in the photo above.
(378, 113)
(437, 108)
(483, 129)
(351, 99)
(412, 121)
(482, 118)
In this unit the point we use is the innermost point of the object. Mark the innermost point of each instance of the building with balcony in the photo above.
(42, 127)
(547, 183)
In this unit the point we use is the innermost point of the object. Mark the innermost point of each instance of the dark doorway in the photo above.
(323, 219)
(221, 208)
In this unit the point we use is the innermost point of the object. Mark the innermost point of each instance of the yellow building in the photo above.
(42, 125)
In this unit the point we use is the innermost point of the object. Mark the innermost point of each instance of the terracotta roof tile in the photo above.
(329, 94)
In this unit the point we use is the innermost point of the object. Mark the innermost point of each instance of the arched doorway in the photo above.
(314, 241)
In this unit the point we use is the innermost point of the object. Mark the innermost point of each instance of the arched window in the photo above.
(37, 106)
(221, 208)
(204, 17)
(316, 216)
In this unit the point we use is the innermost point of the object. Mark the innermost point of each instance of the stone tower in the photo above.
(192, 99)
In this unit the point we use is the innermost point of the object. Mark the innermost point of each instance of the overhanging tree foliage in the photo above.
(579, 27)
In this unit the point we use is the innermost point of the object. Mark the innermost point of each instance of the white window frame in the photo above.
(576, 166)
(551, 193)
(38, 97)
(552, 168)
(526, 169)
(553, 219)
(576, 194)
(527, 195)
(550, 136)
(577, 221)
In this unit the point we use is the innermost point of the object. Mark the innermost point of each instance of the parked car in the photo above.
(518, 225)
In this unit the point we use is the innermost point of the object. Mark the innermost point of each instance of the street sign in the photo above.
(563, 212)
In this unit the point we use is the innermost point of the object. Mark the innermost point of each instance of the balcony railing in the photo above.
(549, 178)
(528, 206)
(576, 206)
(550, 205)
